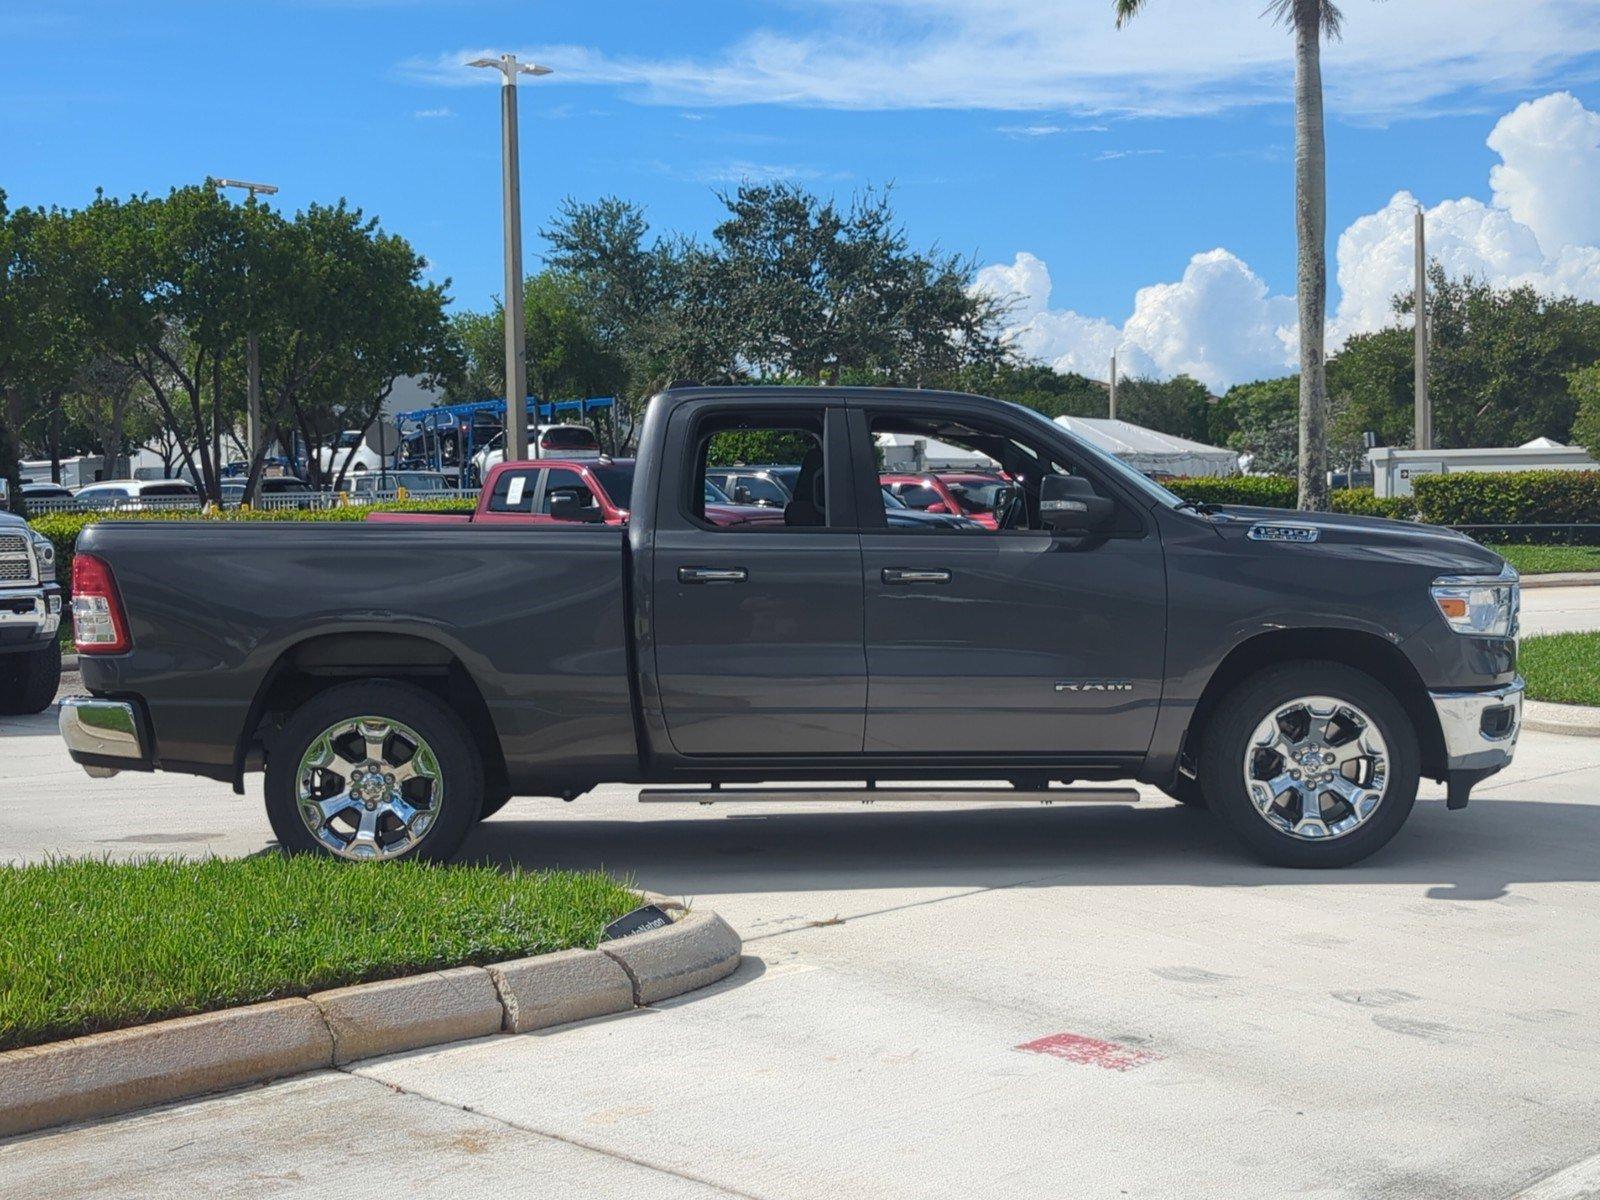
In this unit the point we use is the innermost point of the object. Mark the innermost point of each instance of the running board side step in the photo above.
(866, 795)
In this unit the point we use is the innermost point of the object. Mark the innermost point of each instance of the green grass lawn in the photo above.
(88, 945)
(1564, 667)
(1543, 560)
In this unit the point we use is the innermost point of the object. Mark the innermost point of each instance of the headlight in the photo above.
(1480, 605)
(44, 553)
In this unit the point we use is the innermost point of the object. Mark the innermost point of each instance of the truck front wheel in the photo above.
(373, 771)
(29, 682)
(1312, 764)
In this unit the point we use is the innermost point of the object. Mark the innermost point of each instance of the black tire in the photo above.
(493, 804)
(459, 763)
(1188, 792)
(29, 682)
(1227, 743)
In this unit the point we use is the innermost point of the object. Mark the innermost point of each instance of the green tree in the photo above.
(1041, 387)
(1311, 21)
(1180, 406)
(1372, 384)
(566, 353)
(1585, 387)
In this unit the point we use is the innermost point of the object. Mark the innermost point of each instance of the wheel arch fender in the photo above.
(320, 660)
(1360, 649)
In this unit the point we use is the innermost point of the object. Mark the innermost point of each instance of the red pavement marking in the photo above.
(1091, 1052)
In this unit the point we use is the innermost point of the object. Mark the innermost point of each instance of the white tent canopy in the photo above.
(909, 452)
(1150, 451)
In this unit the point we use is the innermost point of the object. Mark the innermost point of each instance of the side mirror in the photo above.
(570, 507)
(1068, 503)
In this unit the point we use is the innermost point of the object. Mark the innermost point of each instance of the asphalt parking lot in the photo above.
(1086, 1000)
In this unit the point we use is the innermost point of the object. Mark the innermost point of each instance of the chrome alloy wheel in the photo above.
(1316, 768)
(369, 788)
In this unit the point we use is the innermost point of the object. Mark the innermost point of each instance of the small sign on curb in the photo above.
(640, 920)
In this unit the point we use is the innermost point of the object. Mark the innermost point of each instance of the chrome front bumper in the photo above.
(102, 735)
(34, 609)
(1480, 728)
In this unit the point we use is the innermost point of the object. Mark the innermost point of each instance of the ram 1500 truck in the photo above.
(1296, 673)
(30, 615)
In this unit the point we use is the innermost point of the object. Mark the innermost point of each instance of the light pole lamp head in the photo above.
(263, 189)
(508, 66)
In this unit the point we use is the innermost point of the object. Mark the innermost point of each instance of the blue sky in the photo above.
(1028, 127)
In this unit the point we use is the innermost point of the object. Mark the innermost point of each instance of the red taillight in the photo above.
(98, 623)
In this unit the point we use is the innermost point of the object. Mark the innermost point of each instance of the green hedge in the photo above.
(1280, 491)
(63, 528)
(1513, 498)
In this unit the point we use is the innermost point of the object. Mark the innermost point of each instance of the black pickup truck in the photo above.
(1295, 673)
(30, 615)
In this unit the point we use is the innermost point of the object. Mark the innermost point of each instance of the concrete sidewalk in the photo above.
(970, 1002)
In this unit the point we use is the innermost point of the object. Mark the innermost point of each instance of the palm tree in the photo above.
(1312, 20)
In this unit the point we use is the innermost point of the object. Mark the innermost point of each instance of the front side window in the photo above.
(562, 484)
(970, 474)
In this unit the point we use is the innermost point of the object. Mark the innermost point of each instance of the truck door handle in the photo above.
(712, 575)
(896, 575)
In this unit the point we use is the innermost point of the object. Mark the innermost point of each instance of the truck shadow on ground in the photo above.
(1474, 855)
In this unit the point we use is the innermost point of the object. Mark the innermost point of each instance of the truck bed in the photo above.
(536, 616)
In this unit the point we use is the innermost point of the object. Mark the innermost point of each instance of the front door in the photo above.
(756, 622)
(1016, 640)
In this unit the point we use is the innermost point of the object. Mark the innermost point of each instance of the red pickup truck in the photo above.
(563, 491)
(974, 494)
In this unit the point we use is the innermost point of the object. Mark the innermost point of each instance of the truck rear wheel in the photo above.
(1312, 764)
(29, 682)
(373, 771)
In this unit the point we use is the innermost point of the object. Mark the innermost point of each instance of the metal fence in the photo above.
(289, 501)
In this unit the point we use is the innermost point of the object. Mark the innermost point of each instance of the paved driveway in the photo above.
(1011, 1002)
(1560, 610)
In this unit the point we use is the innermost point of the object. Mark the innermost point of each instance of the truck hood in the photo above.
(1438, 545)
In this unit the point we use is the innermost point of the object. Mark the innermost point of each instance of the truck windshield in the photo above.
(1138, 480)
(569, 437)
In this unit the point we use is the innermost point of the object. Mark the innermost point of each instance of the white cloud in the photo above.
(1218, 323)
(1221, 324)
(1549, 176)
(1030, 131)
(1195, 57)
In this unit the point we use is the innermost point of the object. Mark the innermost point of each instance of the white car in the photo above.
(552, 441)
(138, 494)
(368, 485)
(351, 445)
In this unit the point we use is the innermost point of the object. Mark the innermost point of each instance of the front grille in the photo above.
(16, 561)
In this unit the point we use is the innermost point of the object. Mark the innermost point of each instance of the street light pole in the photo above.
(511, 204)
(252, 351)
(1424, 410)
(1111, 410)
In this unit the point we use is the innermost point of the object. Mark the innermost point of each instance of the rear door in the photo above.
(757, 629)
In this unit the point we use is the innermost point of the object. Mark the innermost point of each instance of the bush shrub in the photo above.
(1280, 491)
(1514, 498)
(63, 528)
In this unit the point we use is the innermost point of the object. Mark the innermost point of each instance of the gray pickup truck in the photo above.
(1295, 673)
(30, 617)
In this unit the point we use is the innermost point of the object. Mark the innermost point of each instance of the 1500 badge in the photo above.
(1094, 685)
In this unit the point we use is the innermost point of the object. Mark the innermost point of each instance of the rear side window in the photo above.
(917, 495)
(167, 489)
(728, 439)
(514, 492)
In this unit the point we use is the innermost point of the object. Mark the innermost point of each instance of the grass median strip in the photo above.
(1563, 667)
(1547, 560)
(90, 945)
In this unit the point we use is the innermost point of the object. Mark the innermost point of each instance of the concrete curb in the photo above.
(1562, 579)
(1577, 720)
(108, 1073)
